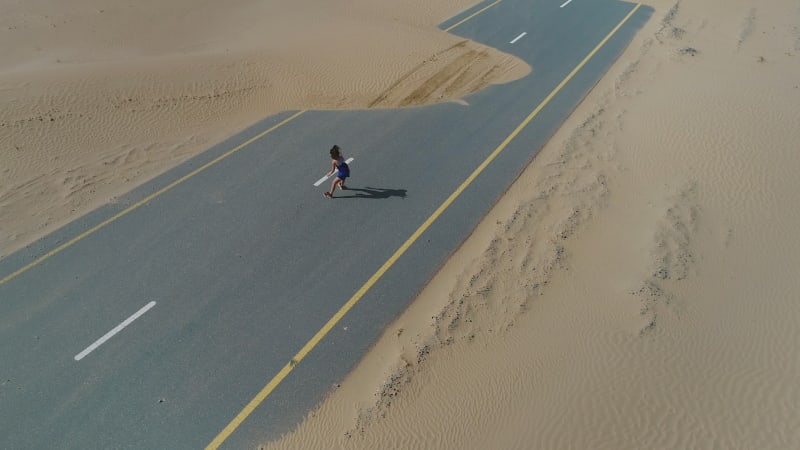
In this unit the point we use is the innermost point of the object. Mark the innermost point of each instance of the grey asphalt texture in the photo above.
(246, 260)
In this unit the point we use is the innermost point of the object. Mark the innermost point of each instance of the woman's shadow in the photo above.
(372, 192)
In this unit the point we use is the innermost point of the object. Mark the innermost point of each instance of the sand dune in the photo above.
(636, 287)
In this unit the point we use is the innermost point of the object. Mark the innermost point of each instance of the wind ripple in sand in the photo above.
(461, 69)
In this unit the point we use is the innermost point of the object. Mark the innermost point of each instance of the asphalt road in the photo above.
(227, 265)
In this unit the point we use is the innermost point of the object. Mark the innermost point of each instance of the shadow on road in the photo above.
(371, 192)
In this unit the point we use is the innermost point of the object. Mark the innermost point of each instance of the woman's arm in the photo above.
(333, 167)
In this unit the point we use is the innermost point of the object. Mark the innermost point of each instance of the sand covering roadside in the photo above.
(637, 287)
(97, 97)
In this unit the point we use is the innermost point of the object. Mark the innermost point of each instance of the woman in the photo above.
(341, 169)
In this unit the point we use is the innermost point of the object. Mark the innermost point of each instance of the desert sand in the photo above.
(100, 96)
(636, 288)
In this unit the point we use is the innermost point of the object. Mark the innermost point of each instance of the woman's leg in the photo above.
(334, 183)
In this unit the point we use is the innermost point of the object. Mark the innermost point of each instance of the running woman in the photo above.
(341, 169)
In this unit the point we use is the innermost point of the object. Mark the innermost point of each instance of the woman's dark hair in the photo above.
(335, 152)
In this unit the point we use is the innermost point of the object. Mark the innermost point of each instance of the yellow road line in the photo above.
(147, 199)
(276, 380)
(471, 15)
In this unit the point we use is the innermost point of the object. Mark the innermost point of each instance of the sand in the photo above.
(100, 96)
(637, 286)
